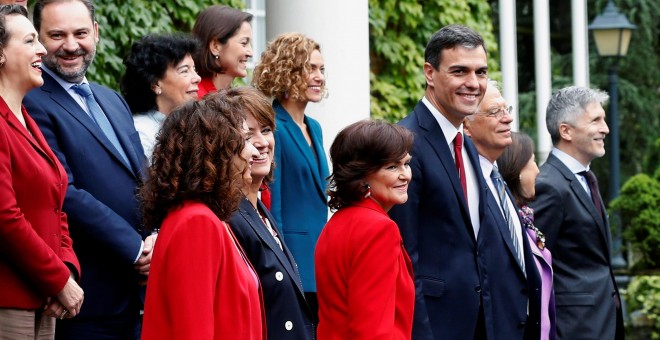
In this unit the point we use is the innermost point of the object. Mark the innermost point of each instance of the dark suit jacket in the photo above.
(277, 272)
(100, 202)
(34, 234)
(298, 199)
(579, 239)
(454, 272)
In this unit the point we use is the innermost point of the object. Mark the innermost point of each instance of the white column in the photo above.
(509, 57)
(543, 74)
(580, 42)
(342, 29)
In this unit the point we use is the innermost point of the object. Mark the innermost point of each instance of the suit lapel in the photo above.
(583, 196)
(297, 136)
(254, 220)
(60, 96)
(110, 110)
(436, 139)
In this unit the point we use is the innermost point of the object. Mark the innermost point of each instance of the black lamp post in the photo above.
(612, 33)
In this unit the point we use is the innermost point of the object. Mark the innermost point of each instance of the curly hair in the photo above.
(284, 66)
(514, 158)
(194, 159)
(4, 33)
(256, 104)
(215, 23)
(360, 149)
(146, 64)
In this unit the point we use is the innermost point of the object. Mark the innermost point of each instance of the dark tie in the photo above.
(99, 118)
(458, 146)
(593, 187)
(501, 192)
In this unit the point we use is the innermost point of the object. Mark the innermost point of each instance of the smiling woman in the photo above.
(364, 276)
(226, 37)
(37, 264)
(160, 76)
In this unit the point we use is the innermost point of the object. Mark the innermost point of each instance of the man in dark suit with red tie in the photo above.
(445, 226)
(570, 212)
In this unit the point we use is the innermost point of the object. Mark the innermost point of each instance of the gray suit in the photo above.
(579, 239)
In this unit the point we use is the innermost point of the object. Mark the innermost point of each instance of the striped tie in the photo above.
(499, 185)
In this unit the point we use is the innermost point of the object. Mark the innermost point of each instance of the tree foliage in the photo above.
(125, 21)
(398, 33)
(639, 78)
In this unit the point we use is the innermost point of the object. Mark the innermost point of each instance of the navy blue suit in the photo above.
(277, 272)
(101, 203)
(299, 202)
(457, 277)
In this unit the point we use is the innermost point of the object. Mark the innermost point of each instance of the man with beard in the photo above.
(89, 127)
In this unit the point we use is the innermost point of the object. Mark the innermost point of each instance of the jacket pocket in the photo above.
(574, 299)
(432, 286)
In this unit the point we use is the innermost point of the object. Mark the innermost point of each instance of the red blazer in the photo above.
(205, 87)
(364, 277)
(200, 285)
(34, 234)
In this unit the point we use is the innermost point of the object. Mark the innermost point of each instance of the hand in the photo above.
(143, 264)
(67, 303)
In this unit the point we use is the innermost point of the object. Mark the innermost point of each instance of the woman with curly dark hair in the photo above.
(160, 76)
(291, 70)
(201, 285)
(364, 276)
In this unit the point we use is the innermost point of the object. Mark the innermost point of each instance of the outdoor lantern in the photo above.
(612, 32)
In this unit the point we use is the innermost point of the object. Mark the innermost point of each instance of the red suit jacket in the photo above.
(200, 285)
(364, 276)
(34, 235)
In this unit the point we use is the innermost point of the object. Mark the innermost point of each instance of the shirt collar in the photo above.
(448, 129)
(570, 162)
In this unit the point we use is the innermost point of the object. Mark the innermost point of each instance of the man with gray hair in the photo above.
(571, 213)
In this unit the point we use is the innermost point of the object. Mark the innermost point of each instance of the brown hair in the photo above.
(41, 4)
(215, 23)
(194, 159)
(512, 161)
(6, 10)
(360, 149)
(284, 66)
(253, 102)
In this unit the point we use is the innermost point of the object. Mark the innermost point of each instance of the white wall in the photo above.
(342, 29)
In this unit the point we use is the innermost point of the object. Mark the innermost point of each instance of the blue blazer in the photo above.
(298, 198)
(101, 203)
(457, 277)
(277, 272)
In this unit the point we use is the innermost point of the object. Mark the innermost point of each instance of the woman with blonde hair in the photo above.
(291, 70)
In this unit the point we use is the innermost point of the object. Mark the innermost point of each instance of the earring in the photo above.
(158, 91)
(367, 190)
(216, 56)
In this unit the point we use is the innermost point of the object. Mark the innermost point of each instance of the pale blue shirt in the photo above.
(450, 131)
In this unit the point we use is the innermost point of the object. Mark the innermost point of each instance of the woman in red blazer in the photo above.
(201, 285)
(364, 276)
(38, 267)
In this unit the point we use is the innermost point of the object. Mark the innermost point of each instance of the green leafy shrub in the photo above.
(643, 298)
(638, 205)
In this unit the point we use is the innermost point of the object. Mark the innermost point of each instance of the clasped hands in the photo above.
(67, 303)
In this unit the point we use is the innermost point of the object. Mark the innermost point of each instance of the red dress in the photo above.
(205, 87)
(200, 285)
(364, 277)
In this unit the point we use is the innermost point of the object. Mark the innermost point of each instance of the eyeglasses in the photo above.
(497, 112)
